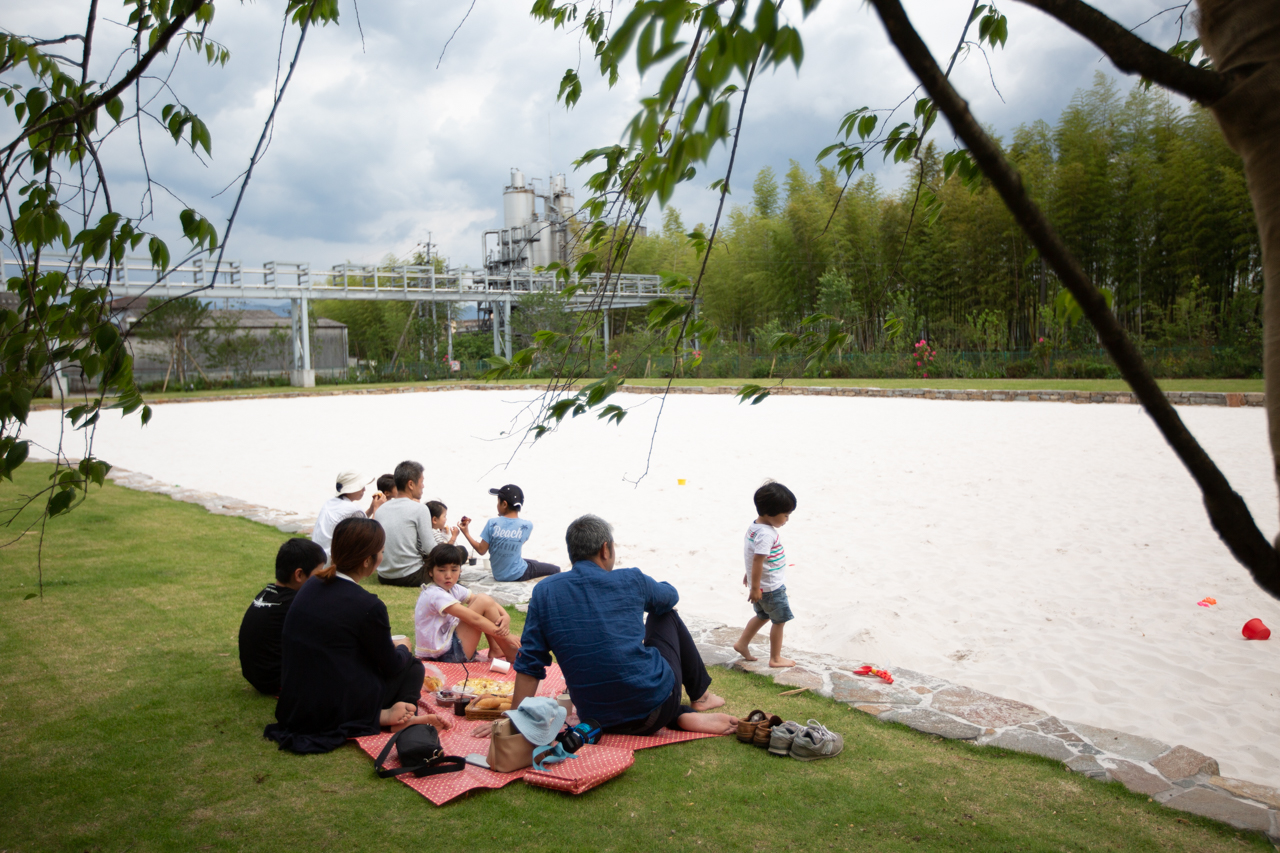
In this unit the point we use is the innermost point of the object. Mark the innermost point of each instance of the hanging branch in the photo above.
(1227, 510)
(1133, 55)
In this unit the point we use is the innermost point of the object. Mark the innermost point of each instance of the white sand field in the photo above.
(1051, 553)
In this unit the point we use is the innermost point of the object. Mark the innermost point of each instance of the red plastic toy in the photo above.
(1255, 630)
(883, 674)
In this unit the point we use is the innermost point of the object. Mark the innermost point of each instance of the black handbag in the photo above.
(420, 753)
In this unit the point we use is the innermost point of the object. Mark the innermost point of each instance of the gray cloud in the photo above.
(374, 147)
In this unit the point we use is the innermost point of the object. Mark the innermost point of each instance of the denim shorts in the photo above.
(456, 653)
(773, 605)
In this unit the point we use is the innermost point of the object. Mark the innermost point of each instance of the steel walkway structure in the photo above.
(299, 284)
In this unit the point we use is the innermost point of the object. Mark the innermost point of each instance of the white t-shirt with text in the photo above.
(763, 539)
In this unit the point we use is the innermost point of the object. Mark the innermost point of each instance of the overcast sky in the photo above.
(375, 147)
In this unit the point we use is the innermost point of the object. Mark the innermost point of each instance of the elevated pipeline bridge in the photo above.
(299, 284)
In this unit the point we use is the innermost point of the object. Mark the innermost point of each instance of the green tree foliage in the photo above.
(59, 202)
(1147, 194)
(183, 326)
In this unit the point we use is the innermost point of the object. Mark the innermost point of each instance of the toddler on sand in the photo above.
(766, 571)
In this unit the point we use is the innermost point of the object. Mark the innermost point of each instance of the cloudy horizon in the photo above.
(375, 148)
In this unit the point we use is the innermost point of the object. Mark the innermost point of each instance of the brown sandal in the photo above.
(764, 730)
(747, 728)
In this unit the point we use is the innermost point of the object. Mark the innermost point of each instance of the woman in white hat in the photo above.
(345, 504)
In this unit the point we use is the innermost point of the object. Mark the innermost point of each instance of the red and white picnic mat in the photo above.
(596, 763)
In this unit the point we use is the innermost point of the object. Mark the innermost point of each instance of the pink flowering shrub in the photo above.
(923, 354)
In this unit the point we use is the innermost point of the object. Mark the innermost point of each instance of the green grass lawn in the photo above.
(1239, 385)
(127, 727)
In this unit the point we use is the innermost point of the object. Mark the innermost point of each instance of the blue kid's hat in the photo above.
(539, 719)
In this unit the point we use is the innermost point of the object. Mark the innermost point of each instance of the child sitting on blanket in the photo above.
(449, 618)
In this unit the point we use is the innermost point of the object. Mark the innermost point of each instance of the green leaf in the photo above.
(15, 457)
(570, 88)
(755, 394)
(60, 501)
(115, 109)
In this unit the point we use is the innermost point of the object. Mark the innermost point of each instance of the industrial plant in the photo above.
(528, 238)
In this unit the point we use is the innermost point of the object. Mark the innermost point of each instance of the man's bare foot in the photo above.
(744, 650)
(712, 724)
(781, 662)
(706, 702)
(397, 715)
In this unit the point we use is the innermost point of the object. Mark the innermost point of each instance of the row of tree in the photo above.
(1146, 193)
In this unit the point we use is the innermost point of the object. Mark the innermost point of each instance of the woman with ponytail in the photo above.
(341, 676)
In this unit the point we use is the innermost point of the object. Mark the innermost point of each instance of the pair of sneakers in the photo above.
(805, 743)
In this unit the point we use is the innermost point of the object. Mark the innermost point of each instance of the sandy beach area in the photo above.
(1050, 553)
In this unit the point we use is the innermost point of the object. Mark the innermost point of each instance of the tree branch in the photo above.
(1227, 510)
(1132, 55)
(161, 45)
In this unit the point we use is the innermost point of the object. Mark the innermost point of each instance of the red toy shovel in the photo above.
(1255, 630)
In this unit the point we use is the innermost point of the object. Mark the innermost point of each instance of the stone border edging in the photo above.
(1176, 776)
(1230, 399)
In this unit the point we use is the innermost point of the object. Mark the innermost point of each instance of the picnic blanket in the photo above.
(596, 763)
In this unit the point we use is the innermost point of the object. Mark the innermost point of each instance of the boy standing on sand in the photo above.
(766, 571)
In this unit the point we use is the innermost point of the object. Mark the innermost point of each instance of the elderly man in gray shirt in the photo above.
(407, 523)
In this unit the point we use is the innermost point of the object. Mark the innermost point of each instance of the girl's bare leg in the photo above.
(469, 636)
(505, 647)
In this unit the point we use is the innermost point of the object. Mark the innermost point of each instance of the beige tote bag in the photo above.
(508, 749)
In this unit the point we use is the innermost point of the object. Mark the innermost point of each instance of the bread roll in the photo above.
(488, 703)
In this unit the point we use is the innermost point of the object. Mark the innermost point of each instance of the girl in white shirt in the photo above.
(449, 619)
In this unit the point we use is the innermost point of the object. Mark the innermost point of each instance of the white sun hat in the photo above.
(352, 481)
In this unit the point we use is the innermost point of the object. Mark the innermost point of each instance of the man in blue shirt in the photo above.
(625, 673)
(503, 539)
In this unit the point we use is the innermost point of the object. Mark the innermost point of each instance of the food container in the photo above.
(446, 698)
(432, 678)
(474, 713)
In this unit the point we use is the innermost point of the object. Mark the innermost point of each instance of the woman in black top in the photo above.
(341, 676)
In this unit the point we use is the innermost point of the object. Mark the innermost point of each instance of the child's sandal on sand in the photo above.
(747, 727)
(764, 731)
